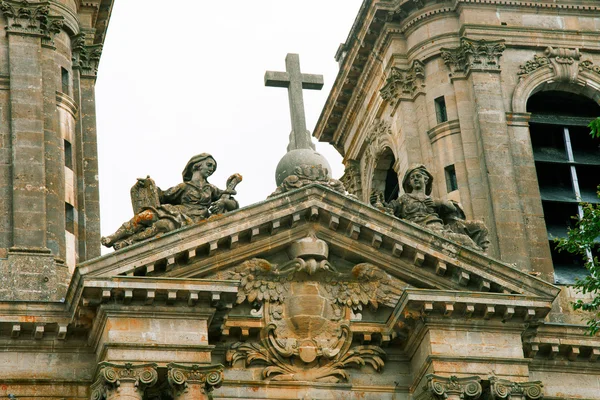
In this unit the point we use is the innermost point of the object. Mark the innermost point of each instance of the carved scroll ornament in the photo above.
(468, 388)
(124, 377)
(504, 389)
(565, 63)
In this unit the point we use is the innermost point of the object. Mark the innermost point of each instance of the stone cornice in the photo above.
(376, 23)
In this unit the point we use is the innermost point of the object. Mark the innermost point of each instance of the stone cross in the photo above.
(295, 81)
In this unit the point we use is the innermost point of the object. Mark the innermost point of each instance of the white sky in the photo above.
(187, 78)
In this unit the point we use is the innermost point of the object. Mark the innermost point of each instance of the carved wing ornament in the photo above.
(307, 304)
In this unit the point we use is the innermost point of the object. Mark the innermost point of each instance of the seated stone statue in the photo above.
(444, 217)
(157, 211)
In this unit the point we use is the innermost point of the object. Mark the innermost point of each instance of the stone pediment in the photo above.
(354, 232)
(302, 277)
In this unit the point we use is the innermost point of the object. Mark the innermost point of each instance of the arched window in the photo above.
(385, 179)
(567, 162)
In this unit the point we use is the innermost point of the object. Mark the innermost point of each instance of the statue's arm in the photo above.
(224, 198)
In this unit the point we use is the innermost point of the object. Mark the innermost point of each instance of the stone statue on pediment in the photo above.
(441, 216)
(159, 211)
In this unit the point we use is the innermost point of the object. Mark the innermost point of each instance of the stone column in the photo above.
(479, 62)
(194, 382)
(504, 389)
(85, 66)
(453, 388)
(123, 381)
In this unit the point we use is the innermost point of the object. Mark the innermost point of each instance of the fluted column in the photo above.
(453, 388)
(123, 381)
(507, 390)
(194, 382)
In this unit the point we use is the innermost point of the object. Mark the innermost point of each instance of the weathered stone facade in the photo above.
(314, 293)
(48, 168)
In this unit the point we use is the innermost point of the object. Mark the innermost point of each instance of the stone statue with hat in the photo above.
(444, 217)
(157, 211)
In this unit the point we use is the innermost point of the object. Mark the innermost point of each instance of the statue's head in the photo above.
(413, 175)
(194, 163)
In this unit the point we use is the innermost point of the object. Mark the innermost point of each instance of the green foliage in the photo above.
(595, 128)
(579, 241)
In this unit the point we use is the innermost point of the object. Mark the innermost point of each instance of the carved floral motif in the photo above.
(307, 305)
(86, 57)
(474, 54)
(25, 17)
(403, 81)
(306, 175)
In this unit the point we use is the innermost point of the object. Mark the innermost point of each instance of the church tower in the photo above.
(48, 158)
(493, 97)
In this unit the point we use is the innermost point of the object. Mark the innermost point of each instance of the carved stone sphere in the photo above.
(296, 158)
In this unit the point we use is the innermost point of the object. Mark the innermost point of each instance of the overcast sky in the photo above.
(187, 78)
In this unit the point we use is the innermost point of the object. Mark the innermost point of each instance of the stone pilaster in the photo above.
(123, 381)
(194, 382)
(478, 61)
(508, 390)
(453, 388)
(85, 66)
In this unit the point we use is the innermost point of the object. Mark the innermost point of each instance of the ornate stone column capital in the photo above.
(86, 57)
(441, 387)
(29, 18)
(474, 55)
(193, 380)
(403, 84)
(505, 389)
(129, 378)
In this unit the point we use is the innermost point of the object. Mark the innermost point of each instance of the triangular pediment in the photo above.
(355, 233)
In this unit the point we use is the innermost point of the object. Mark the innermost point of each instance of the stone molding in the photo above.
(86, 57)
(111, 377)
(444, 129)
(440, 387)
(403, 84)
(505, 389)
(31, 18)
(67, 103)
(180, 377)
(474, 55)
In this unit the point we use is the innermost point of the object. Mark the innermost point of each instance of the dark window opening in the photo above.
(440, 110)
(392, 186)
(451, 183)
(567, 162)
(68, 155)
(385, 178)
(69, 218)
(66, 81)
